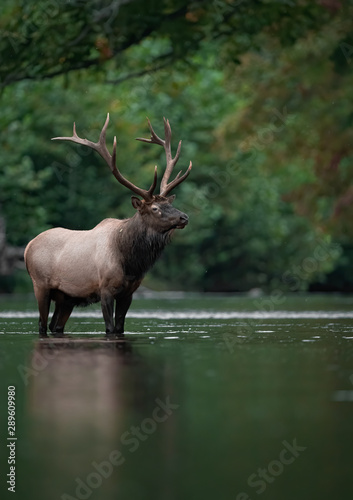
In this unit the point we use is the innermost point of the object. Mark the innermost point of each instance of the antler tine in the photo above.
(101, 148)
(103, 145)
(154, 183)
(178, 180)
(166, 143)
(146, 194)
(154, 139)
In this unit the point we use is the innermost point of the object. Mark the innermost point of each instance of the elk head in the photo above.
(156, 209)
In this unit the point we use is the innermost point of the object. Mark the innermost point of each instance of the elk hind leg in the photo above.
(43, 299)
(63, 310)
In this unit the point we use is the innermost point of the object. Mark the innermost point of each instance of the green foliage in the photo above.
(47, 38)
(270, 138)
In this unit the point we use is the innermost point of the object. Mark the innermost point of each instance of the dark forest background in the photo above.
(261, 93)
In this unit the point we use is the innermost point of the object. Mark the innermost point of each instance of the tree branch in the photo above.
(169, 59)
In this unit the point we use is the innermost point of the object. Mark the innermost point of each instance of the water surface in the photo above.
(234, 397)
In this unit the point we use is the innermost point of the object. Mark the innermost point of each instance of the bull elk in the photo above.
(108, 262)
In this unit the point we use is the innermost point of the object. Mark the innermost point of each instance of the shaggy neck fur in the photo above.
(141, 246)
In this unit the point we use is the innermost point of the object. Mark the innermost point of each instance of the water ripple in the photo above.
(199, 314)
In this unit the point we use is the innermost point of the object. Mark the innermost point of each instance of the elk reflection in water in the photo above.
(79, 387)
(77, 405)
(89, 394)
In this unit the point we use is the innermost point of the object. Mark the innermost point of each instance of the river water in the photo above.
(224, 397)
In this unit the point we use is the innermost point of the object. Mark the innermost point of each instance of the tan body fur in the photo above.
(82, 252)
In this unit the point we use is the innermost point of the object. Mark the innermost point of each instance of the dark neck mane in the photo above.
(140, 245)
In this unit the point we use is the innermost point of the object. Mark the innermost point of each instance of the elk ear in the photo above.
(136, 202)
(171, 198)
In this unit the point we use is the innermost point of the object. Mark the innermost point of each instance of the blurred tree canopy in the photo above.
(258, 90)
(47, 38)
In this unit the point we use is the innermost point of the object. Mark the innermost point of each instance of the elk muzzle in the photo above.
(183, 221)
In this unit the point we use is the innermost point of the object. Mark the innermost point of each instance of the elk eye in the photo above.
(155, 209)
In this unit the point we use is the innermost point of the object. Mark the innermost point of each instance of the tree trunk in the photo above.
(11, 258)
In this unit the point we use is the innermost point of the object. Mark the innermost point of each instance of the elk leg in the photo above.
(54, 319)
(43, 299)
(107, 302)
(62, 313)
(121, 308)
(58, 298)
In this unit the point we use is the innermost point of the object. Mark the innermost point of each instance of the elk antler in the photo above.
(102, 149)
(171, 162)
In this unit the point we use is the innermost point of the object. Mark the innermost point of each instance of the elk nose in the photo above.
(184, 219)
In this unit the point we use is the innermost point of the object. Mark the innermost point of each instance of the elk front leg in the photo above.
(121, 308)
(107, 301)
